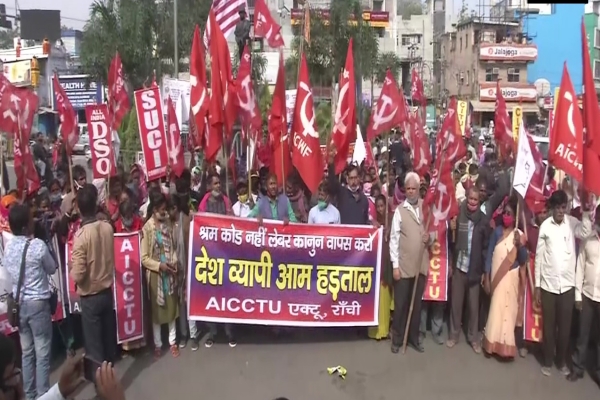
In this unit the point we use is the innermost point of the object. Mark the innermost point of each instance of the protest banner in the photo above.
(6, 285)
(128, 287)
(532, 324)
(294, 275)
(152, 131)
(436, 288)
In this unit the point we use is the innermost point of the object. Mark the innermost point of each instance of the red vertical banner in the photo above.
(532, 324)
(151, 125)
(103, 159)
(128, 287)
(436, 288)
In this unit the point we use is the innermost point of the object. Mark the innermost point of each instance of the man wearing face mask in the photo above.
(351, 201)
(245, 203)
(409, 243)
(324, 212)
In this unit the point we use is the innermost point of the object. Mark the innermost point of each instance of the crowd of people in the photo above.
(489, 253)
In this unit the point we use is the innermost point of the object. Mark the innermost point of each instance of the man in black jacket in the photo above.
(472, 235)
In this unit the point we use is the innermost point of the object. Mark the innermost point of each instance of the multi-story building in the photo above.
(478, 56)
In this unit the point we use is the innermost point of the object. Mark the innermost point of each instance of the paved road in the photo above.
(297, 370)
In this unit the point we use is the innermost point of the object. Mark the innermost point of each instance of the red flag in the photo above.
(118, 101)
(390, 110)
(280, 162)
(590, 102)
(174, 145)
(199, 97)
(245, 98)
(216, 119)
(535, 197)
(306, 150)
(68, 119)
(265, 26)
(417, 92)
(23, 106)
(503, 125)
(420, 146)
(344, 128)
(440, 204)
(566, 138)
(449, 143)
(19, 107)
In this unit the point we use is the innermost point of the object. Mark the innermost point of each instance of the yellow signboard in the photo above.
(18, 72)
(461, 113)
(517, 119)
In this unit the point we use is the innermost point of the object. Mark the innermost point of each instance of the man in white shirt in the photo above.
(324, 212)
(587, 299)
(555, 263)
(245, 202)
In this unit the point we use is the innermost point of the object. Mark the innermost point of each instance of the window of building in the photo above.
(466, 40)
(597, 38)
(492, 74)
(468, 78)
(596, 69)
(460, 45)
(514, 74)
(408, 40)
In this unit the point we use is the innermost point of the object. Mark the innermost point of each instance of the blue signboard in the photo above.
(80, 92)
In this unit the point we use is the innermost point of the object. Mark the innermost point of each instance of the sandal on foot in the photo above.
(175, 351)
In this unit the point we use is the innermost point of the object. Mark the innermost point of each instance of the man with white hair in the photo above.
(409, 242)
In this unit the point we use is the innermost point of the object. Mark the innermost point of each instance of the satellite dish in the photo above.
(542, 86)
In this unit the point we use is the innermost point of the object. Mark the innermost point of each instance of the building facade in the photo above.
(477, 56)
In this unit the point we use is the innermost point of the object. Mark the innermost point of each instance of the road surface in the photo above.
(264, 370)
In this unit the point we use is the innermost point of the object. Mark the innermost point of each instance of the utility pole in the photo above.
(176, 41)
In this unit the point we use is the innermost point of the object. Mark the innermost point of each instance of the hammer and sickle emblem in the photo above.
(307, 124)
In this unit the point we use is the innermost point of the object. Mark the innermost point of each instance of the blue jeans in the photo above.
(35, 331)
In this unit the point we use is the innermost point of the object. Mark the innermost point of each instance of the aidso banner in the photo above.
(294, 275)
(436, 288)
(104, 163)
(532, 324)
(127, 286)
(151, 125)
(6, 285)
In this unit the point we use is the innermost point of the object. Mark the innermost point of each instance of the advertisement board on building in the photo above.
(179, 92)
(510, 91)
(80, 91)
(508, 52)
(18, 72)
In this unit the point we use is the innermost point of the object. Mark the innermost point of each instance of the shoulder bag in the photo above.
(12, 303)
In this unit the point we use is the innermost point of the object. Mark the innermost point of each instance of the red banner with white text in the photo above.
(153, 136)
(436, 288)
(103, 159)
(128, 287)
(532, 324)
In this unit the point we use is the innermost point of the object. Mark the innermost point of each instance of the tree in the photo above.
(324, 121)
(142, 31)
(7, 39)
(326, 52)
(259, 66)
(407, 8)
(463, 14)
(385, 61)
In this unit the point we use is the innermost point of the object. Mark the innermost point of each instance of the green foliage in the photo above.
(326, 52)
(142, 31)
(324, 121)
(129, 135)
(259, 66)
(265, 99)
(384, 61)
(410, 7)
(6, 39)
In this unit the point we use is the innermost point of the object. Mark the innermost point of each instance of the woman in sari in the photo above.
(504, 271)
(385, 291)
(159, 258)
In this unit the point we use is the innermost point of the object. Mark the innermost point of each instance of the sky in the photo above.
(73, 13)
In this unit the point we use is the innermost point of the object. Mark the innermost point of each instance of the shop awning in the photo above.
(490, 106)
